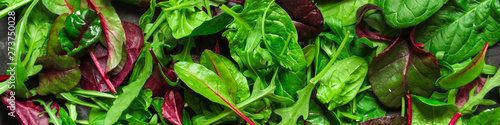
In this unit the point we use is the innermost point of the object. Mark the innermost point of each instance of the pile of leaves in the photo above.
(252, 62)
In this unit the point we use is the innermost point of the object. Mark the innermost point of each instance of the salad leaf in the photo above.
(172, 107)
(156, 83)
(344, 10)
(346, 77)
(113, 32)
(487, 117)
(53, 44)
(402, 68)
(426, 111)
(183, 17)
(406, 13)
(59, 74)
(316, 116)
(463, 93)
(185, 55)
(305, 16)
(386, 120)
(27, 112)
(82, 30)
(51, 112)
(466, 74)
(440, 32)
(62, 6)
(216, 24)
(361, 31)
(477, 99)
(367, 107)
(291, 114)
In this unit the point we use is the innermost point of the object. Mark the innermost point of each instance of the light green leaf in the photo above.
(406, 13)
(342, 9)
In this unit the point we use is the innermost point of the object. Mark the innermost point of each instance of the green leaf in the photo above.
(59, 74)
(406, 13)
(62, 6)
(216, 24)
(235, 81)
(185, 55)
(53, 44)
(183, 16)
(148, 16)
(206, 83)
(309, 53)
(51, 112)
(132, 90)
(454, 30)
(367, 107)
(426, 111)
(465, 75)
(477, 99)
(342, 82)
(289, 115)
(82, 30)
(487, 117)
(113, 32)
(344, 10)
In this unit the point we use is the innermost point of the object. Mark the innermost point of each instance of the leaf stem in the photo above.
(455, 118)
(337, 53)
(93, 93)
(13, 7)
(75, 100)
(286, 44)
(101, 71)
(83, 122)
(264, 21)
(156, 24)
(403, 106)
(207, 7)
(408, 96)
(235, 15)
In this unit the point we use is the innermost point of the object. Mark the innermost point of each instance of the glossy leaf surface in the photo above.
(426, 111)
(487, 117)
(82, 29)
(172, 107)
(406, 13)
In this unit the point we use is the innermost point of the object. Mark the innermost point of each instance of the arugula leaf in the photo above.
(183, 17)
(402, 68)
(453, 31)
(342, 85)
(26, 112)
(426, 111)
(82, 30)
(466, 74)
(51, 112)
(132, 90)
(148, 16)
(62, 6)
(406, 13)
(477, 99)
(185, 55)
(290, 115)
(113, 32)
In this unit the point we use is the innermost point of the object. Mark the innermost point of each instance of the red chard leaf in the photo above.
(82, 30)
(62, 6)
(114, 33)
(27, 111)
(386, 120)
(172, 107)
(360, 29)
(156, 83)
(92, 81)
(305, 16)
(53, 44)
(463, 94)
(59, 74)
(402, 68)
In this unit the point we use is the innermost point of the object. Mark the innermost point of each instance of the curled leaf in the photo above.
(360, 29)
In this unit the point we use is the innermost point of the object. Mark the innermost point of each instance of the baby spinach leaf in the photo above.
(342, 83)
(386, 120)
(306, 17)
(290, 115)
(453, 30)
(406, 13)
(27, 112)
(172, 107)
(113, 32)
(316, 116)
(82, 29)
(426, 111)
(344, 10)
(309, 53)
(185, 55)
(62, 6)
(208, 84)
(477, 99)
(402, 68)
(59, 74)
(131, 91)
(216, 24)
(53, 44)
(466, 74)
(235, 81)
(367, 107)
(487, 117)
(183, 16)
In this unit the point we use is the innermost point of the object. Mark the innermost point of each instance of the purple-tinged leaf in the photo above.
(463, 94)
(82, 30)
(60, 7)
(466, 74)
(92, 81)
(360, 29)
(53, 44)
(386, 120)
(157, 83)
(114, 33)
(59, 74)
(172, 107)
(26, 111)
(400, 69)
(305, 16)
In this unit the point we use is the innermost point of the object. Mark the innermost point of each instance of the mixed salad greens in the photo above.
(252, 62)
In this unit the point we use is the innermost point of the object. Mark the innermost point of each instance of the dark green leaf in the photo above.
(216, 24)
(367, 107)
(59, 74)
(309, 53)
(406, 13)
(426, 111)
(83, 28)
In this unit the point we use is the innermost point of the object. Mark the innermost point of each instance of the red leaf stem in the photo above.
(4, 77)
(455, 118)
(408, 97)
(101, 71)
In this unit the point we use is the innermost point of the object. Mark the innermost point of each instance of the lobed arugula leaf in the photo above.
(185, 55)
(477, 99)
